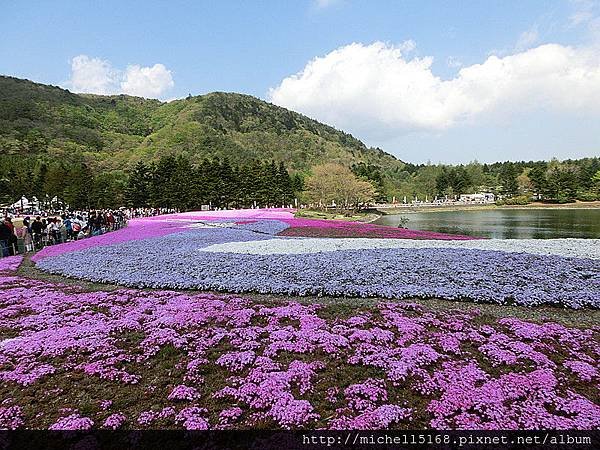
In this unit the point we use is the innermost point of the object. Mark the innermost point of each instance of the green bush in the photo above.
(520, 200)
(587, 196)
(564, 199)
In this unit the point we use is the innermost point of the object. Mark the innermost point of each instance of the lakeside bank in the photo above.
(490, 207)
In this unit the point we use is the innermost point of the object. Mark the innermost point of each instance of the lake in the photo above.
(505, 223)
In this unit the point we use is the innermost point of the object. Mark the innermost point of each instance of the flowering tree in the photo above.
(335, 185)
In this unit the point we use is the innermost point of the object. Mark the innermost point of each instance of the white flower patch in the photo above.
(212, 225)
(8, 341)
(577, 248)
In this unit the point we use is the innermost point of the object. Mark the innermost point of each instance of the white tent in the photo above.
(25, 203)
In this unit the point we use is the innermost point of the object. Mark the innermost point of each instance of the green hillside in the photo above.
(112, 133)
(83, 148)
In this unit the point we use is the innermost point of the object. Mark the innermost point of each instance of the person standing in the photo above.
(110, 221)
(63, 232)
(9, 224)
(27, 240)
(54, 230)
(27, 223)
(5, 234)
(45, 238)
(37, 227)
(12, 238)
(77, 226)
(68, 224)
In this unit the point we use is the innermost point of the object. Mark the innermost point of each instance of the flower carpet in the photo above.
(251, 253)
(148, 355)
(71, 358)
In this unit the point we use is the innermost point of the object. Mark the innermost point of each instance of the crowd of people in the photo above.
(33, 232)
(39, 231)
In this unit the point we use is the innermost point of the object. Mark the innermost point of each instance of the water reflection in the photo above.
(506, 223)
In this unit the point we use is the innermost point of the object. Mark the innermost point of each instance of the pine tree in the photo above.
(77, 193)
(39, 179)
(273, 188)
(537, 175)
(181, 184)
(163, 182)
(137, 193)
(297, 185)
(508, 180)
(285, 185)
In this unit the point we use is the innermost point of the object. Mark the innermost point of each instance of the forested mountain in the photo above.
(233, 148)
(56, 143)
(115, 132)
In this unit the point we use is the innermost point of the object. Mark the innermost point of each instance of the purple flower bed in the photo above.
(10, 263)
(135, 229)
(202, 361)
(72, 422)
(174, 261)
(155, 226)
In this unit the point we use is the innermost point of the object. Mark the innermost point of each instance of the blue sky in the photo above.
(398, 87)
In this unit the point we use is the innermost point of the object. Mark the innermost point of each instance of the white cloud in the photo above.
(322, 4)
(584, 12)
(527, 39)
(98, 76)
(453, 62)
(147, 81)
(375, 90)
(92, 75)
(579, 17)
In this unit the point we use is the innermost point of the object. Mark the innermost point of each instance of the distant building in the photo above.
(483, 197)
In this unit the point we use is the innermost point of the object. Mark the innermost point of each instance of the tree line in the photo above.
(552, 181)
(169, 182)
(173, 182)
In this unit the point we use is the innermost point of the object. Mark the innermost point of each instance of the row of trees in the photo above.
(172, 182)
(63, 182)
(556, 181)
(177, 183)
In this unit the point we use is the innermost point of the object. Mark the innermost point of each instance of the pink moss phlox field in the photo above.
(10, 263)
(244, 214)
(212, 361)
(136, 229)
(114, 421)
(72, 422)
(11, 416)
(156, 226)
(339, 228)
(183, 392)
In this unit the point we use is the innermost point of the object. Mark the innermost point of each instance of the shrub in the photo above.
(587, 196)
(520, 200)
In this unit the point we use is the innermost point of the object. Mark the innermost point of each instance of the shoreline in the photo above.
(535, 206)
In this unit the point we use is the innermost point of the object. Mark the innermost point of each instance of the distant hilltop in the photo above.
(114, 132)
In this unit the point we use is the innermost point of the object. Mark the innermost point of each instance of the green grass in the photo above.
(336, 215)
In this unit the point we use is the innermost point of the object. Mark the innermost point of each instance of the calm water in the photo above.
(506, 223)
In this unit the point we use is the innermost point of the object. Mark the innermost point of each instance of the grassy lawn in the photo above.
(334, 215)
